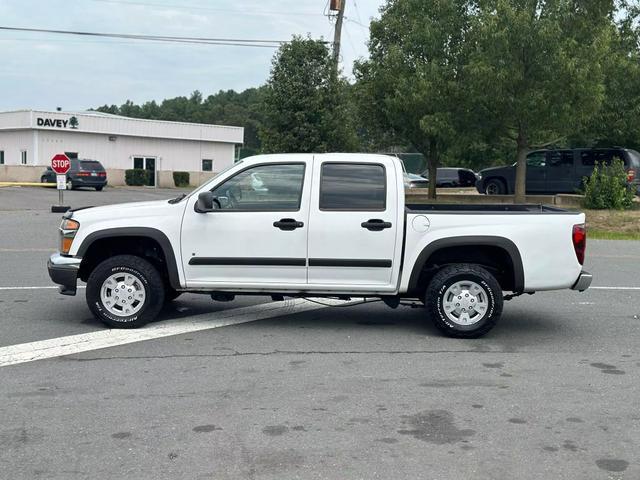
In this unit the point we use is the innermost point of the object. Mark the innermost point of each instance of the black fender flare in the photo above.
(153, 233)
(493, 241)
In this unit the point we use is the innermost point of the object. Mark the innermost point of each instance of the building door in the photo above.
(149, 164)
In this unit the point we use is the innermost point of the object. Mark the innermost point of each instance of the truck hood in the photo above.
(127, 210)
(484, 171)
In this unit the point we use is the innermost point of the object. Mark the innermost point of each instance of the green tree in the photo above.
(535, 70)
(411, 84)
(224, 108)
(305, 107)
(616, 123)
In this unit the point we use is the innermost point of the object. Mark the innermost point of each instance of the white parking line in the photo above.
(614, 288)
(48, 287)
(84, 342)
(26, 250)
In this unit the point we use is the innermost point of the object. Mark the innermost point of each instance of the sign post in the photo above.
(60, 164)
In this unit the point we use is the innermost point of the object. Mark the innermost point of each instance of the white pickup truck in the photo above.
(330, 225)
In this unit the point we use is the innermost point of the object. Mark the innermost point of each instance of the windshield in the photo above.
(635, 157)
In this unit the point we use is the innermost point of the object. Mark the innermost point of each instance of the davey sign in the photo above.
(57, 122)
(60, 164)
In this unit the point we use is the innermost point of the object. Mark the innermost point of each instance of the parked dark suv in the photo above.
(83, 173)
(558, 171)
(453, 177)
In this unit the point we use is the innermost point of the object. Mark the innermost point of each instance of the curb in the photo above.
(27, 184)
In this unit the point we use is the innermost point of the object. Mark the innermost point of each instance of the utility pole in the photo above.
(337, 35)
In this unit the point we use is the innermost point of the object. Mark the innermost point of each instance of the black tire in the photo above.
(435, 298)
(99, 189)
(495, 186)
(148, 276)
(43, 180)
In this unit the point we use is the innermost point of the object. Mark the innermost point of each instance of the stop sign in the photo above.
(60, 164)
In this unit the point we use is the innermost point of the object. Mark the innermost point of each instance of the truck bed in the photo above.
(454, 208)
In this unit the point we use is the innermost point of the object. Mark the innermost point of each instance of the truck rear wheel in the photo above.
(125, 291)
(464, 300)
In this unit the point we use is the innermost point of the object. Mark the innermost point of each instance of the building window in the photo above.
(23, 157)
(207, 165)
(1, 157)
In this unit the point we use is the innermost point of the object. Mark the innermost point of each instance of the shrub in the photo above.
(607, 188)
(181, 179)
(136, 177)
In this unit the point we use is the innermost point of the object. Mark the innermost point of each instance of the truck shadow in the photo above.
(517, 327)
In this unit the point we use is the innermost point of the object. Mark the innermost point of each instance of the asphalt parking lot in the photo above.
(258, 390)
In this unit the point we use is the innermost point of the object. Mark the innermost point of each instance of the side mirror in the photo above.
(207, 202)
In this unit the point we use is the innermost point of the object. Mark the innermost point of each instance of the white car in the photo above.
(330, 225)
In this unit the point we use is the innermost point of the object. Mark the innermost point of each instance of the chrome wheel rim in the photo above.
(465, 303)
(123, 294)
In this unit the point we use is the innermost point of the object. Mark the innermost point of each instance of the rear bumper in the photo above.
(583, 282)
(64, 272)
(88, 181)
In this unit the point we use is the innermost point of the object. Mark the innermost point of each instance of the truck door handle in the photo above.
(288, 224)
(375, 225)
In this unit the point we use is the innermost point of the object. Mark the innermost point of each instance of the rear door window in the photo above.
(587, 158)
(537, 159)
(353, 187)
(561, 158)
(603, 157)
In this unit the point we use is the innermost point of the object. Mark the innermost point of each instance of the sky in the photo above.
(45, 71)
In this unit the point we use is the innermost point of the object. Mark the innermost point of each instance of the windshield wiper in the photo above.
(178, 199)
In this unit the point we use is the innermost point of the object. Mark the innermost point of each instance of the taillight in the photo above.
(631, 175)
(579, 238)
(83, 174)
(102, 174)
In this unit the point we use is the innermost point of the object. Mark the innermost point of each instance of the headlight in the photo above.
(68, 229)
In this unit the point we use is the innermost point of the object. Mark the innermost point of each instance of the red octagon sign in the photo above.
(60, 164)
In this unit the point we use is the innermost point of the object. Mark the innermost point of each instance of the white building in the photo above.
(30, 138)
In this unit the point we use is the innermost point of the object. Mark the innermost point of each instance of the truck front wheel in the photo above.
(464, 300)
(495, 186)
(125, 291)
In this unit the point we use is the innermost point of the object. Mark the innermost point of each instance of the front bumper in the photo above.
(64, 272)
(583, 282)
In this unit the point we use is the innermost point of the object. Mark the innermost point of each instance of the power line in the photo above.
(355, 4)
(159, 38)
